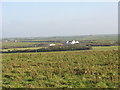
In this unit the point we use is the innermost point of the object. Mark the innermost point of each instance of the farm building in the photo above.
(57, 44)
(52, 44)
(72, 42)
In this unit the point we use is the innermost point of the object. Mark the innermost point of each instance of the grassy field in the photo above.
(105, 48)
(29, 48)
(97, 68)
(17, 44)
(100, 48)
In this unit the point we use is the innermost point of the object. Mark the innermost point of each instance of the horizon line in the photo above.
(59, 36)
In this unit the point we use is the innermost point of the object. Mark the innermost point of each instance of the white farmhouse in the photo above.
(67, 42)
(72, 42)
(52, 44)
(77, 42)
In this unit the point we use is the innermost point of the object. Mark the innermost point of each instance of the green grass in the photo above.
(17, 44)
(105, 48)
(69, 69)
(98, 48)
(29, 48)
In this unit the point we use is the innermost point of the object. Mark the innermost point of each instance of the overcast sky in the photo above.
(28, 19)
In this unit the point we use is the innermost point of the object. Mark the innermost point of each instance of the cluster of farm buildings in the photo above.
(67, 42)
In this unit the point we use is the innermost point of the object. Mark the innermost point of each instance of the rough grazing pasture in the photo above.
(69, 69)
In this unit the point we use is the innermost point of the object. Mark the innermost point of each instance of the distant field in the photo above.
(29, 48)
(98, 48)
(22, 44)
(105, 48)
(92, 40)
(16, 44)
(80, 37)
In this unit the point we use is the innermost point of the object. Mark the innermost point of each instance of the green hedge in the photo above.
(53, 48)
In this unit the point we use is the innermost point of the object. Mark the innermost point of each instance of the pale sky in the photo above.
(39, 19)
